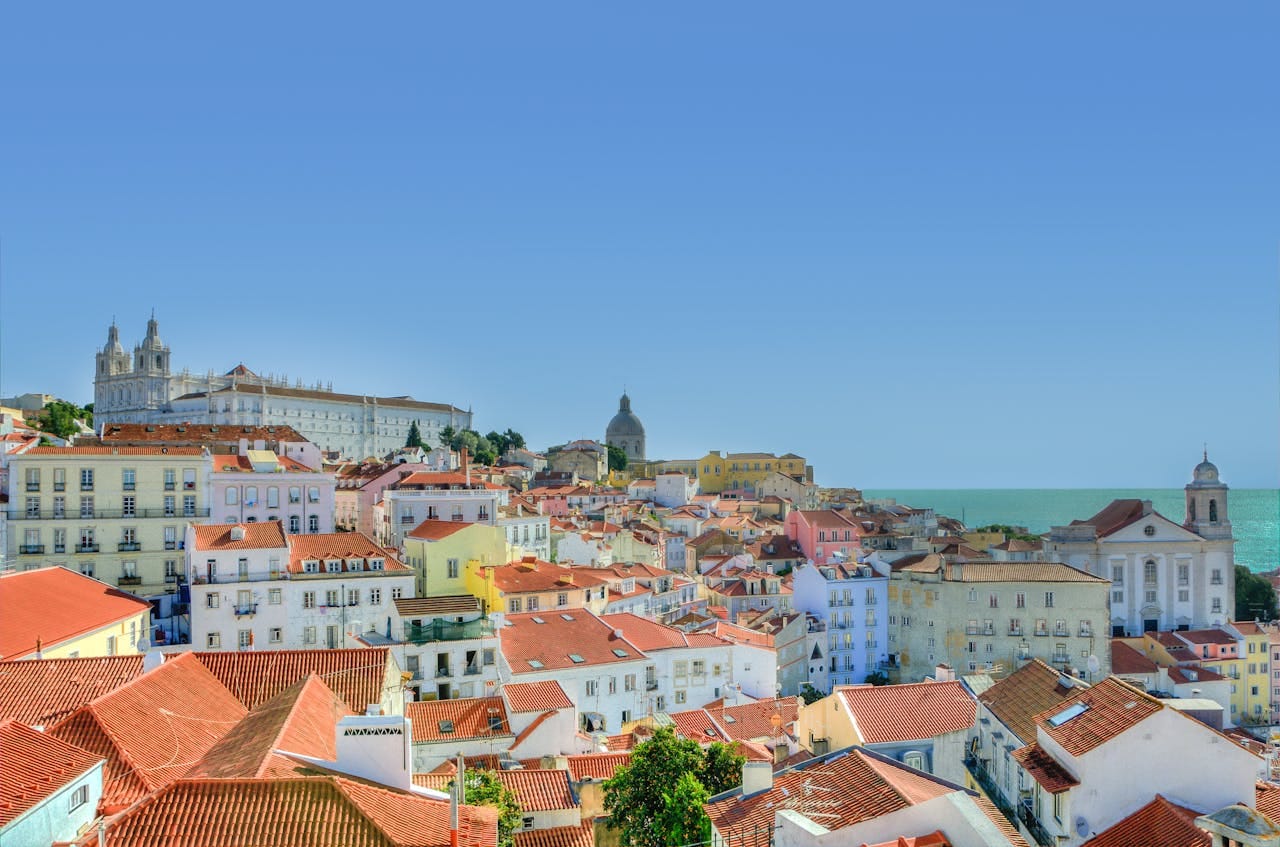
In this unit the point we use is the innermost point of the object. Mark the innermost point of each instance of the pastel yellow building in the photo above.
(531, 585)
(55, 613)
(443, 553)
(744, 471)
(1256, 667)
(1238, 652)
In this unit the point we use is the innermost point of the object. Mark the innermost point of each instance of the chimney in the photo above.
(944, 673)
(237, 533)
(377, 748)
(756, 777)
(151, 660)
(1146, 507)
(780, 753)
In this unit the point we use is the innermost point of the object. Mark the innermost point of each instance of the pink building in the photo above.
(360, 487)
(1211, 643)
(261, 486)
(824, 535)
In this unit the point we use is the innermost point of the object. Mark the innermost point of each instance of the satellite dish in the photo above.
(144, 644)
(1093, 664)
(1082, 827)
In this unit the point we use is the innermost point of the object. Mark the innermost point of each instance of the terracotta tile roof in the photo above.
(116, 451)
(755, 720)
(540, 790)
(428, 607)
(41, 692)
(353, 548)
(1017, 545)
(560, 636)
(1112, 707)
(301, 719)
(989, 571)
(1158, 822)
(1025, 693)
(199, 433)
(1207, 636)
(34, 767)
(651, 635)
(1001, 822)
(1114, 516)
(53, 605)
(698, 725)
(446, 480)
(1182, 674)
(458, 720)
(911, 712)
(1044, 769)
(1126, 660)
(1267, 795)
(854, 784)
(331, 396)
(1248, 628)
(582, 835)
(320, 811)
(534, 575)
(152, 730)
(829, 518)
(596, 766)
(257, 536)
(536, 696)
(256, 676)
(232, 463)
(433, 530)
(933, 839)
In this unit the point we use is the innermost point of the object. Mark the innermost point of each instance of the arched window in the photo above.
(1191, 510)
(1149, 572)
(1213, 511)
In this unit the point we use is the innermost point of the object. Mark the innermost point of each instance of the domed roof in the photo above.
(624, 423)
(1206, 471)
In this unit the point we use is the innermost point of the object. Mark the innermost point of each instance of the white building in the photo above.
(673, 489)
(51, 791)
(255, 588)
(142, 389)
(437, 497)
(852, 602)
(259, 486)
(1164, 575)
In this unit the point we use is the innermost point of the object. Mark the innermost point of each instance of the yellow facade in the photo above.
(117, 639)
(1256, 678)
(732, 471)
(117, 514)
(443, 566)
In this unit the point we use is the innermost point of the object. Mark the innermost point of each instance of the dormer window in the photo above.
(375, 564)
(333, 565)
(311, 566)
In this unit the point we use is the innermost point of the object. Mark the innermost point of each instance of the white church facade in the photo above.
(142, 388)
(1164, 575)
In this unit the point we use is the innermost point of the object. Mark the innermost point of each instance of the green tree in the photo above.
(498, 440)
(514, 439)
(484, 789)
(446, 436)
(721, 769)
(809, 694)
(59, 418)
(484, 451)
(642, 795)
(1010, 532)
(415, 436)
(683, 820)
(617, 458)
(1255, 598)
(877, 678)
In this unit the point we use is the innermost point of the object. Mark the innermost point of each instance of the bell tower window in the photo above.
(1213, 511)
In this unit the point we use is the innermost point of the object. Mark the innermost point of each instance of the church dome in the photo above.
(624, 424)
(1205, 472)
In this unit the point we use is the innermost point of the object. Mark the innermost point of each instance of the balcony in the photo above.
(105, 514)
(972, 630)
(87, 548)
(1060, 659)
(1029, 820)
(1062, 633)
(1216, 580)
(86, 486)
(471, 670)
(129, 486)
(59, 548)
(129, 580)
(170, 486)
(650, 685)
(59, 486)
(442, 673)
(1015, 630)
(172, 578)
(1042, 633)
(174, 545)
(33, 486)
(246, 610)
(1086, 632)
(129, 546)
(988, 630)
(406, 519)
(441, 630)
(28, 549)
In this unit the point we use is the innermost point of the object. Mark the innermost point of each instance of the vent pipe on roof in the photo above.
(756, 777)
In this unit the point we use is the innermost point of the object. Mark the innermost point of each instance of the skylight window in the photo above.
(1072, 711)
(446, 727)
(730, 719)
(621, 654)
(538, 620)
(535, 664)
(576, 659)
(566, 617)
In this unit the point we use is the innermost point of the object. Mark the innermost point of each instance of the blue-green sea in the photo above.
(1255, 513)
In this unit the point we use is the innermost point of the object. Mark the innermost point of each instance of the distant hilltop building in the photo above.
(141, 388)
(626, 432)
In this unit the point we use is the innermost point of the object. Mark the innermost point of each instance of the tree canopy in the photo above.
(1010, 532)
(657, 799)
(617, 458)
(59, 418)
(484, 789)
(1255, 598)
(415, 436)
(484, 449)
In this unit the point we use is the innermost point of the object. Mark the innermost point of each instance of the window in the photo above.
(232, 495)
(1150, 596)
(313, 523)
(1148, 531)
(1117, 596)
(251, 495)
(375, 596)
(629, 682)
(680, 695)
(993, 601)
(488, 656)
(78, 798)
(1184, 574)
(308, 599)
(533, 604)
(331, 598)
(128, 479)
(1149, 572)
(274, 597)
(86, 479)
(211, 600)
(86, 507)
(295, 494)
(169, 479)
(452, 565)
(273, 497)
(513, 605)
(313, 494)
(1048, 599)
(1184, 595)
(275, 635)
(59, 479)
(309, 635)
(592, 688)
(1215, 577)
(1216, 605)
(213, 641)
(1020, 600)
(86, 568)
(188, 505)
(973, 595)
(244, 639)
(1117, 574)
(397, 593)
(188, 479)
(353, 596)
(295, 524)
(562, 599)
(169, 509)
(170, 570)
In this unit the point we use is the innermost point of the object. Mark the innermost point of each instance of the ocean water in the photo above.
(1255, 513)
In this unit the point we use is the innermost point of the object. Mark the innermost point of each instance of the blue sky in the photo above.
(927, 245)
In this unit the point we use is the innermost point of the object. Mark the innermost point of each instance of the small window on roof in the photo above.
(534, 663)
(730, 719)
(566, 617)
(576, 659)
(621, 654)
(1072, 711)
(446, 726)
(538, 620)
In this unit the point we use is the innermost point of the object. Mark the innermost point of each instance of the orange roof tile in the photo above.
(457, 720)
(154, 728)
(116, 451)
(256, 676)
(698, 725)
(596, 766)
(34, 767)
(582, 835)
(535, 642)
(1112, 707)
(256, 536)
(1044, 769)
(536, 696)
(319, 811)
(50, 606)
(199, 433)
(1158, 822)
(351, 547)
(41, 692)
(1126, 660)
(433, 530)
(1023, 694)
(540, 790)
(301, 719)
(910, 712)
(1267, 795)
(755, 720)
